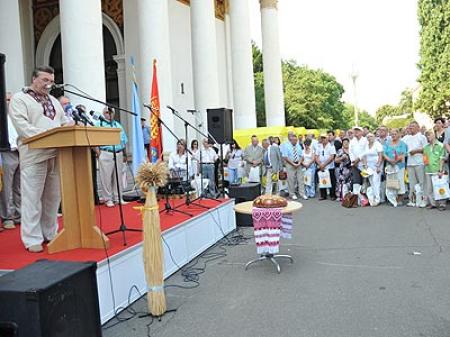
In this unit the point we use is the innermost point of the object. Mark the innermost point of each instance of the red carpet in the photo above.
(14, 256)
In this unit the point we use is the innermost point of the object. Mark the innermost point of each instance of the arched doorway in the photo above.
(109, 51)
(48, 51)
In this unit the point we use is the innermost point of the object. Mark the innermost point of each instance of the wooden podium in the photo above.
(74, 157)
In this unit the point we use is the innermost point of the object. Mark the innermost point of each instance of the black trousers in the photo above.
(323, 191)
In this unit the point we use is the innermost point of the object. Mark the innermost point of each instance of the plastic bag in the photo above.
(255, 175)
(440, 187)
(324, 179)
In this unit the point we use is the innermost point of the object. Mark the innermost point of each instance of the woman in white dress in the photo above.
(195, 153)
(309, 159)
(373, 162)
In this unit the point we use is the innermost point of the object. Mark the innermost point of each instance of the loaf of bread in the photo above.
(270, 201)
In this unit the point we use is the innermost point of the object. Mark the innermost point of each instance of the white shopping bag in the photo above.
(324, 179)
(308, 178)
(441, 190)
(254, 175)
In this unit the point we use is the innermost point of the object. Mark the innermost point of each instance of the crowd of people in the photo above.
(401, 166)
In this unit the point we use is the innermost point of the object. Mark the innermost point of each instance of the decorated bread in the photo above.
(270, 201)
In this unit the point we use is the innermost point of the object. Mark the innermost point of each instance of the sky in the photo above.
(377, 39)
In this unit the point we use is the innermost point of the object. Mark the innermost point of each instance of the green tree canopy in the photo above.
(365, 119)
(434, 64)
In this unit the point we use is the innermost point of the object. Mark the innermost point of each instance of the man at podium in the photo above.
(33, 111)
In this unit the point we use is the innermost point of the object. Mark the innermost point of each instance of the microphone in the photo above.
(172, 109)
(69, 110)
(98, 117)
(56, 86)
(192, 111)
(82, 112)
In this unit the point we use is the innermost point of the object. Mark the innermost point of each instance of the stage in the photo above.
(186, 236)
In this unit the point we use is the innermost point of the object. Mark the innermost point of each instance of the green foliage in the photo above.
(434, 64)
(313, 98)
(404, 107)
(386, 110)
(365, 119)
(397, 123)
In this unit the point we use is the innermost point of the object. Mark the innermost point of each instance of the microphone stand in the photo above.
(186, 124)
(122, 228)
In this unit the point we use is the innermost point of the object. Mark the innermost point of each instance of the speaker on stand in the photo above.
(220, 127)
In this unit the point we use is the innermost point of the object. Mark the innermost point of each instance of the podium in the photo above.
(74, 158)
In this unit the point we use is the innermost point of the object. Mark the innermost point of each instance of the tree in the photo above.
(365, 119)
(313, 98)
(434, 64)
(386, 110)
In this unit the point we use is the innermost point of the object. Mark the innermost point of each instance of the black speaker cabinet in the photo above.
(241, 193)
(220, 124)
(50, 299)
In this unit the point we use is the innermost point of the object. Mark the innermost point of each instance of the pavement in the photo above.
(375, 272)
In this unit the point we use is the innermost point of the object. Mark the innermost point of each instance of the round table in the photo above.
(247, 208)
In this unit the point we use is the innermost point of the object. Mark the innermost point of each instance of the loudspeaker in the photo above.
(220, 124)
(241, 193)
(50, 299)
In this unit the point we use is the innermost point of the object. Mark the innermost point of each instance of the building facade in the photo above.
(202, 47)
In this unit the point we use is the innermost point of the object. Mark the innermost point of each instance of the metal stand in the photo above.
(272, 258)
(168, 207)
(123, 227)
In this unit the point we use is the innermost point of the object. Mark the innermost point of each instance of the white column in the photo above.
(11, 45)
(229, 59)
(204, 57)
(242, 65)
(154, 43)
(82, 49)
(273, 80)
(122, 84)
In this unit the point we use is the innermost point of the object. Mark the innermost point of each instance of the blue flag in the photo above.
(138, 151)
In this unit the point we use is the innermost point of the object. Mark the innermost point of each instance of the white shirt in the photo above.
(372, 153)
(325, 153)
(357, 149)
(418, 141)
(209, 156)
(178, 163)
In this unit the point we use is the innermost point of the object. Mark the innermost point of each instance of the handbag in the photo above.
(324, 179)
(350, 200)
(282, 175)
(441, 190)
(392, 181)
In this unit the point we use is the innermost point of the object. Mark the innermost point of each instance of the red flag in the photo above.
(156, 130)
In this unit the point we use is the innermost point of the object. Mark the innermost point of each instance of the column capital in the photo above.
(269, 4)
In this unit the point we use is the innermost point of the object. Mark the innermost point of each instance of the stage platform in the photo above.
(186, 236)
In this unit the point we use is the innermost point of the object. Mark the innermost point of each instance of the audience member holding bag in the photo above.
(395, 151)
(293, 156)
(253, 157)
(436, 186)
